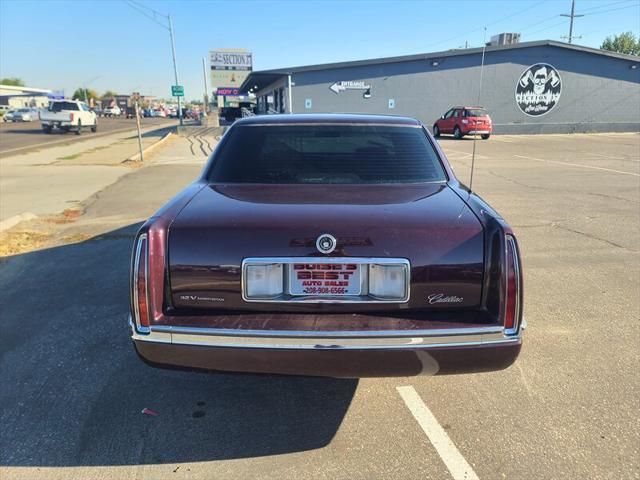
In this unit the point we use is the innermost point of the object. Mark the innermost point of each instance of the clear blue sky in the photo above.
(62, 44)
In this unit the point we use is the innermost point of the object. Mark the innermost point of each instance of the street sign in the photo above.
(177, 91)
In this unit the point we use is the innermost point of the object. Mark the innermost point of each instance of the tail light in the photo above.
(71, 117)
(513, 287)
(148, 275)
(139, 287)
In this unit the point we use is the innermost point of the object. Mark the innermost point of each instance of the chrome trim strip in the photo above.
(314, 124)
(516, 266)
(327, 333)
(136, 266)
(330, 340)
(286, 298)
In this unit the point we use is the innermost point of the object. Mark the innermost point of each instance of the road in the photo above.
(72, 388)
(25, 136)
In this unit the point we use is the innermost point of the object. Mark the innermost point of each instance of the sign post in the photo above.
(136, 98)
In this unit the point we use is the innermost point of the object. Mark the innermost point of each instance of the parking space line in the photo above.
(449, 453)
(577, 165)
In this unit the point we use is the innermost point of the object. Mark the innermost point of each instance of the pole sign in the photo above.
(230, 67)
(177, 91)
(231, 60)
(228, 91)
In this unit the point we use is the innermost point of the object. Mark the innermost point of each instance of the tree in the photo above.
(623, 43)
(109, 94)
(85, 94)
(14, 81)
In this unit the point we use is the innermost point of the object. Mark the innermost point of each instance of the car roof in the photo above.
(300, 118)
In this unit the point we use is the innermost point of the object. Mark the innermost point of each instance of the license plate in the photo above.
(324, 279)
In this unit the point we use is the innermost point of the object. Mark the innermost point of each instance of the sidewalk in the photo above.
(59, 178)
(80, 201)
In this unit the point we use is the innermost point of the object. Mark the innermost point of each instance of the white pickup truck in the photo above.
(68, 115)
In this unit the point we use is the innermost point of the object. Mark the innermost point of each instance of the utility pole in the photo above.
(175, 68)
(571, 15)
(206, 89)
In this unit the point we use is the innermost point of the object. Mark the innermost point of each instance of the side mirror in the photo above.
(441, 117)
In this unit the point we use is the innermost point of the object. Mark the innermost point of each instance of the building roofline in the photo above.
(437, 55)
(25, 89)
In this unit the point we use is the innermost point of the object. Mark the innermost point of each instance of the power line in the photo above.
(519, 12)
(142, 12)
(607, 5)
(155, 12)
(548, 28)
(614, 9)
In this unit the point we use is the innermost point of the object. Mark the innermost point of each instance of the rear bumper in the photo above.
(481, 131)
(333, 354)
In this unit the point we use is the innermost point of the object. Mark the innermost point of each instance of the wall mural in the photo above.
(538, 89)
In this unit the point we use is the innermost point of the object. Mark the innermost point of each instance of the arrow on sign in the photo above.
(350, 85)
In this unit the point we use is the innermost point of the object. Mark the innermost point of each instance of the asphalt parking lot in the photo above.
(25, 136)
(72, 388)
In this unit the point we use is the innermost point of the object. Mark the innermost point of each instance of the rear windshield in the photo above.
(59, 106)
(326, 154)
(476, 112)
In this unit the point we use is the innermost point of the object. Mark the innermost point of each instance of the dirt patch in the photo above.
(17, 242)
(68, 216)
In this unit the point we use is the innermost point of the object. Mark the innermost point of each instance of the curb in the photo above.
(70, 140)
(149, 149)
(15, 220)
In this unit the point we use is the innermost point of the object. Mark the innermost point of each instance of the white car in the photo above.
(114, 111)
(68, 115)
(9, 114)
(25, 115)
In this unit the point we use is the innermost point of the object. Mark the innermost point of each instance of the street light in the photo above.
(86, 91)
(138, 7)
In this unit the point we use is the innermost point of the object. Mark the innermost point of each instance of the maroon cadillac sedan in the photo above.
(334, 245)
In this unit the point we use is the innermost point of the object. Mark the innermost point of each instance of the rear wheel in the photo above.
(485, 136)
(79, 129)
(46, 128)
(94, 127)
(436, 131)
(457, 133)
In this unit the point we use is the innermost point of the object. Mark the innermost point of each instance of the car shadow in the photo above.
(73, 390)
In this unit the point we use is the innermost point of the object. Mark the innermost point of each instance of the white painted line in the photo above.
(450, 455)
(578, 165)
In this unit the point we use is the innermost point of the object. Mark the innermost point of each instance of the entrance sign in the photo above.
(351, 85)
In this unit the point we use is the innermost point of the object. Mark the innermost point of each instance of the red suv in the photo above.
(461, 121)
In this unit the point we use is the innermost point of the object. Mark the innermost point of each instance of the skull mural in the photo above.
(538, 89)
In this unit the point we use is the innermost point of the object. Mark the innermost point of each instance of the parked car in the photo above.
(98, 111)
(9, 114)
(114, 111)
(25, 115)
(333, 245)
(159, 113)
(461, 121)
(68, 115)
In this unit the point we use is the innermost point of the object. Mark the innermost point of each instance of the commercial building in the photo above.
(532, 87)
(24, 97)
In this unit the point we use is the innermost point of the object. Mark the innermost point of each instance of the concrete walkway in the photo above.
(59, 178)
